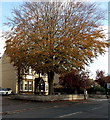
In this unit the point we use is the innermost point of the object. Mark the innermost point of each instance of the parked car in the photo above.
(6, 91)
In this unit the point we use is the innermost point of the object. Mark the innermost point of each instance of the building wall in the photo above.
(29, 79)
(56, 81)
(8, 73)
(8, 76)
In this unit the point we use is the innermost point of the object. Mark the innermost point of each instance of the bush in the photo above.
(99, 88)
(96, 89)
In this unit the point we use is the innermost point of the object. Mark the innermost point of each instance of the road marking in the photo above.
(80, 112)
(70, 114)
(95, 108)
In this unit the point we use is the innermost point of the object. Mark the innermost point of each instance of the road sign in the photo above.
(108, 85)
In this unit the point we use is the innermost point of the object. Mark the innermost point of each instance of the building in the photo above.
(8, 74)
(30, 81)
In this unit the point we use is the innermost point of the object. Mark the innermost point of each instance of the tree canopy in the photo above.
(54, 36)
(101, 78)
(76, 80)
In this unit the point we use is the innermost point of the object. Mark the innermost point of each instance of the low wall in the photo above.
(48, 97)
(97, 96)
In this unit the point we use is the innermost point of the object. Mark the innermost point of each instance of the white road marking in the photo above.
(80, 112)
(95, 108)
(70, 114)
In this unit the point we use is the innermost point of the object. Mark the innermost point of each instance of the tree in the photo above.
(75, 80)
(55, 37)
(101, 78)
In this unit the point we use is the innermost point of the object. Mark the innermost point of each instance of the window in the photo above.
(26, 87)
(30, 86)
(21, 86)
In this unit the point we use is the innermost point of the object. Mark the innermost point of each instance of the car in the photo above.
(6, 91)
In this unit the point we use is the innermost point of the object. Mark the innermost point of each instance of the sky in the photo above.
(101, 63)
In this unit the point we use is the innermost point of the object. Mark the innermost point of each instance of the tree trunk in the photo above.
(50, 82)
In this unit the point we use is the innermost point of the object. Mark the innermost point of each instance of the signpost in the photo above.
(108, 90)
(108, 85)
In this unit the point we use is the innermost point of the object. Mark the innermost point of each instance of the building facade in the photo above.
(30, 81)
(8, 74)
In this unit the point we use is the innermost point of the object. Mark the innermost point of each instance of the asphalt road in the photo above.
(92, 108)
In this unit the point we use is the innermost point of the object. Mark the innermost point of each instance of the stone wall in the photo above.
(48, 97)
(97, 96)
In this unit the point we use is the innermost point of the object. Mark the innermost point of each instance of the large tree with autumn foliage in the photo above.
(55, 37)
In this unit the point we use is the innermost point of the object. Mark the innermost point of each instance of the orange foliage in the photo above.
(55, 37)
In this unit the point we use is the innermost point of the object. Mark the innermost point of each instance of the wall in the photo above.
(56, 81)
(49, 97)
(9, 74)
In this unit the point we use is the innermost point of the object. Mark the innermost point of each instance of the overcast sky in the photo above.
(100, 63)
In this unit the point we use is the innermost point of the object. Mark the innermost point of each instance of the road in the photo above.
(92, 108)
